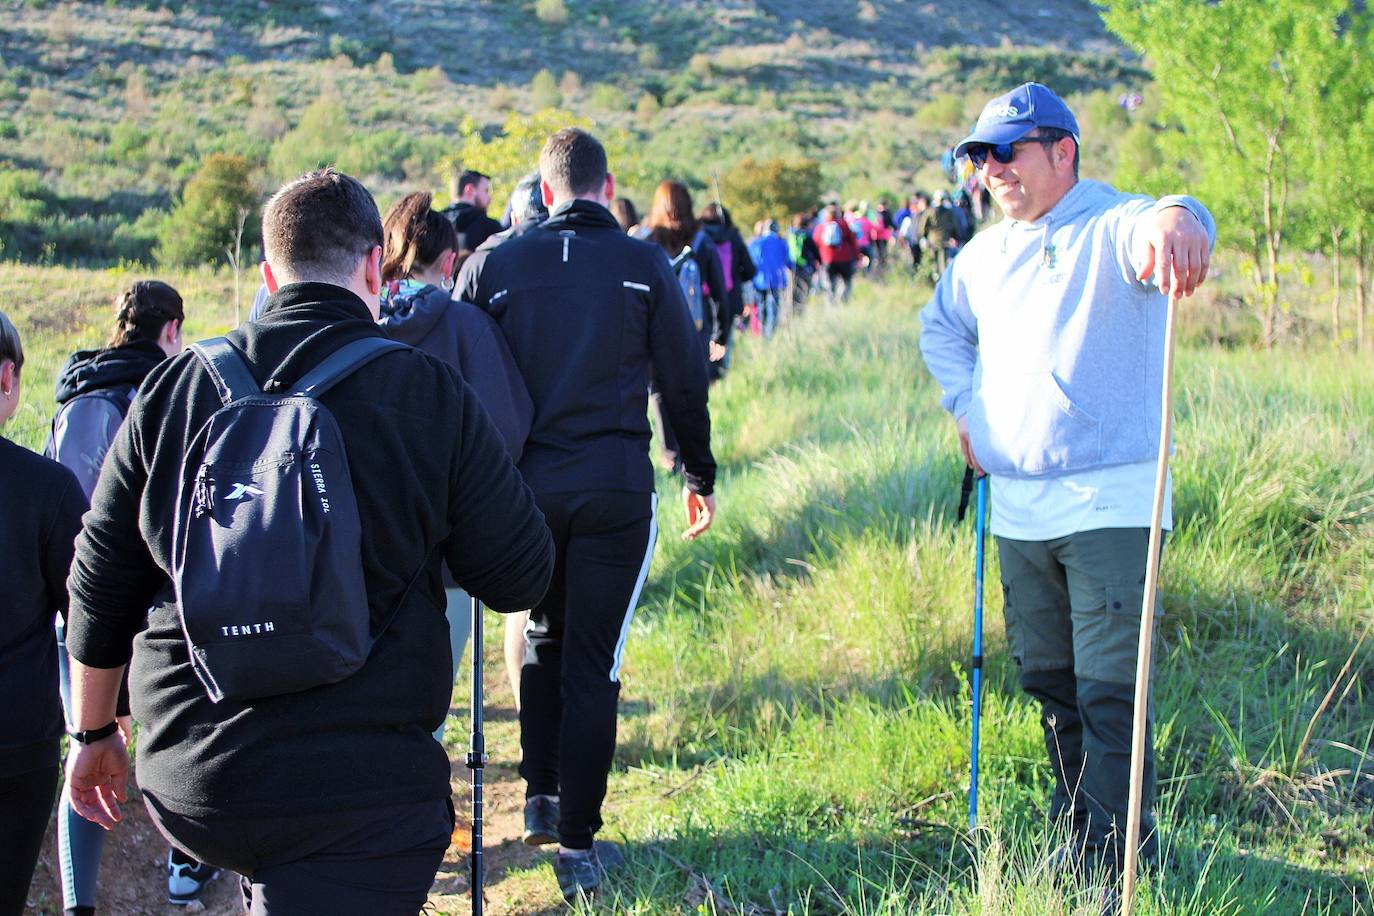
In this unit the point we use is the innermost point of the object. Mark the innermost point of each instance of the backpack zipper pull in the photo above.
(200, 497)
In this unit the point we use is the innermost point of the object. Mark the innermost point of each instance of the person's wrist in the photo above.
(92, 735)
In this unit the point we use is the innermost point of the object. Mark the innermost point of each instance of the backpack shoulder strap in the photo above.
(342, 363)
(227, 368)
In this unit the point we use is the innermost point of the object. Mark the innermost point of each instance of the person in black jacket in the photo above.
(418, 308)
(42, 503)
(672, 225)
(336, 798)
(469, 213)
(527, 210)
(586, 310)
(720, 230)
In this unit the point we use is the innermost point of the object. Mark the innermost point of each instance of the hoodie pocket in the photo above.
(1032, 427)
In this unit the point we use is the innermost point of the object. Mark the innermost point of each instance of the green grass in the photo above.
(795, 714)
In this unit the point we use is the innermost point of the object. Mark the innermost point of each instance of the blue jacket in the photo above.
(773, 260)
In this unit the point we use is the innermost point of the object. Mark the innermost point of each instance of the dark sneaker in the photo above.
(187, 879)
(609, 855)
(579, 875)
(541, 820)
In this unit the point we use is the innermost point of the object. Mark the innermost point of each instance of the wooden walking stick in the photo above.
(1147, 617)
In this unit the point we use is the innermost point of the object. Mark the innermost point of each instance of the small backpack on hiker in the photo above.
(832, 236)
(689, 278)
(267, 543)
(84, 427)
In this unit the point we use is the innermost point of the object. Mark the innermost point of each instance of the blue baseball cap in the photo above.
(1010, 117)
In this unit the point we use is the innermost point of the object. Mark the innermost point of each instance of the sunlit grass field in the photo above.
(795, 715)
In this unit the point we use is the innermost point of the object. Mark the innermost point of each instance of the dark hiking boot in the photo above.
(541, 820)
(609, 855)
(580, 875)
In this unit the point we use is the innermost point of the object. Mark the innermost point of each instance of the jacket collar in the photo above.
(579, 212)
(332, 301)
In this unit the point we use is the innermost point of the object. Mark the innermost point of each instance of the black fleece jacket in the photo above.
(473, 225)
(587, 311)
(463, 335)
(40, 513)
(433, 480)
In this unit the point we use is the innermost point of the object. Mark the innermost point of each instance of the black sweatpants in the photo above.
(570, 683)
(26, 799)
(361, 862)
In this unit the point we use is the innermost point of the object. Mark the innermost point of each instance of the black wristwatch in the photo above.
(92, 735)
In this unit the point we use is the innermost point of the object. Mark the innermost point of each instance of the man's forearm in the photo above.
(94, 694)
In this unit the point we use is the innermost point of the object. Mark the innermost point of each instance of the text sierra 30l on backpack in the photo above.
(267, 548)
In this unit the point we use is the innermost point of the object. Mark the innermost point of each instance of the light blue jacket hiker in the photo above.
(1041, 333)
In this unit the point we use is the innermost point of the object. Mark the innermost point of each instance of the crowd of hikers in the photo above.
(247, 543)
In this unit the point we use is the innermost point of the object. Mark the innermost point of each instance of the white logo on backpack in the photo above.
(243, 489)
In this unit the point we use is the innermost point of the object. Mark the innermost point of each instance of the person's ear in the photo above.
(372, 270)
(1064, 152)
(610, 187)
(546, 192)
(268, 279)
(7, 377)
(446, 261)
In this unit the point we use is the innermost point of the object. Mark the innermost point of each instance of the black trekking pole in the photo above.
(477, 758)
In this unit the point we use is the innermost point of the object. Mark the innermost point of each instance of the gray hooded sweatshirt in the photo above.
(1041, 334)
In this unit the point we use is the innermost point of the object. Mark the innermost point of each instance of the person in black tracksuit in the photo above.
(42, 503)
(586, 311)
(333, 799)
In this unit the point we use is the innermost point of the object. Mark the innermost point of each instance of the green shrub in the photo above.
(376, 154)
(219, 198)
(544, 90)
(607, 98)
(316, 141)
(551, 12)
(946, 111)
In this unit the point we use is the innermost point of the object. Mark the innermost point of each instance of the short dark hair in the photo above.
(319, 226)
(573, 163)
(469, 178)
(1058, 133)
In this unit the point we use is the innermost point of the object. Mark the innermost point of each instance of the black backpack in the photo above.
(267, 544)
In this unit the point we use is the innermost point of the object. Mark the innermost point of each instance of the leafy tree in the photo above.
(1229, 74)
(772, 188)
(217, 204)
(514, 151)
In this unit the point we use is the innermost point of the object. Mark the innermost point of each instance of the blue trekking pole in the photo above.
(980, 523)
(477, 759)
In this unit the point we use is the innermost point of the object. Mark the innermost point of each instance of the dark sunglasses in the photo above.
(1002, 152)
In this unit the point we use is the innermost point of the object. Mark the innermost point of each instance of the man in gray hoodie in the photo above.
(1047, 337)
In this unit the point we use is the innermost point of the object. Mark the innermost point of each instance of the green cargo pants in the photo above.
(1073, 623)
